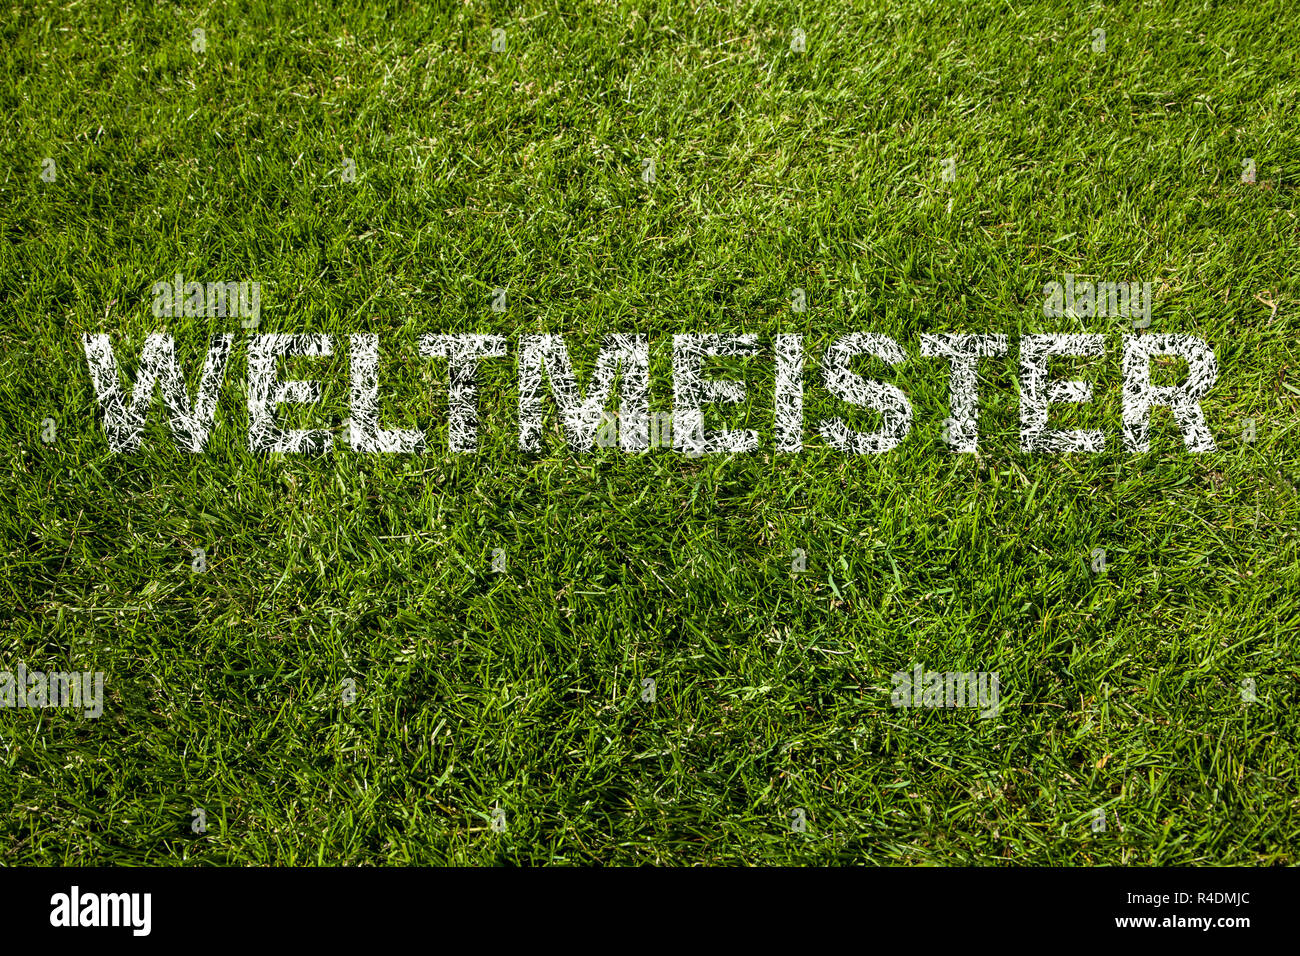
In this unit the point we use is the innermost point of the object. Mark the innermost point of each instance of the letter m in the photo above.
(223, 298)
(581, 414)
(124, 423)
(62, 689)
(119, 903)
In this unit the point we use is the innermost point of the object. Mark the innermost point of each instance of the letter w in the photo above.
(124, 423)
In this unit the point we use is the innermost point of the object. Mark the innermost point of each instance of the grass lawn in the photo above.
(317, 652)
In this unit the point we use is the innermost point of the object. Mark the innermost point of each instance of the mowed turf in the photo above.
(524, 169)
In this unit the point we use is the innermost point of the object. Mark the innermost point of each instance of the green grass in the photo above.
(774, 170)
